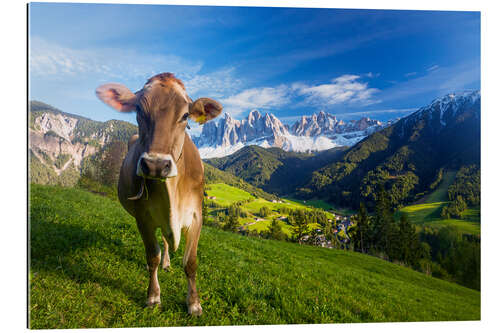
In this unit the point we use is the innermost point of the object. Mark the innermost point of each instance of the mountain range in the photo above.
(405, 157)
(64, 147)
(310, 133)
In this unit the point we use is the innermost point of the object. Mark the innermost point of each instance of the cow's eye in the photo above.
(185, 116)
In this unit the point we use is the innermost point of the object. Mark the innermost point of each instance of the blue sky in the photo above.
(288, 61)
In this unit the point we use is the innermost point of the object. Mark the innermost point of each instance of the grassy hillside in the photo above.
(226, 195)
(88, 270)
(273, 169)
(214, 175)
(318, 203)
(427, 213)
(441, 193)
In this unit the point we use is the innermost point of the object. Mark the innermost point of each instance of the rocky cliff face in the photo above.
(60, 141)
(51, 138)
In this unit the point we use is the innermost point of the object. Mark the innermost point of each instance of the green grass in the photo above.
(316, 203)
(88, 269)
(441, 193)
(428, 213)
(226, 194)
(265, 223)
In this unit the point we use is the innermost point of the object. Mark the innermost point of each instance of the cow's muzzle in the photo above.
(158, 166)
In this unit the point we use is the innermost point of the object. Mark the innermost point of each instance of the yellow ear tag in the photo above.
(201, 119)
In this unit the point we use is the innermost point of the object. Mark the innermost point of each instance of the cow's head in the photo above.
(163, 108)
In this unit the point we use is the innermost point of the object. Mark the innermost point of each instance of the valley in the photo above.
(224, 196)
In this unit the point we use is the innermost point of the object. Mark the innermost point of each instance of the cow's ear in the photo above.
(117, 96)
(204, 109)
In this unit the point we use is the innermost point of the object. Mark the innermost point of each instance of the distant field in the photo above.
(322, 205)
(87, 270)
(441, 193)
(313, 203)
(428, 213)
(226, 194)
(264, 225)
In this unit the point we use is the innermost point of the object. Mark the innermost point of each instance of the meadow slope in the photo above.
(427, 212)
(87, 269)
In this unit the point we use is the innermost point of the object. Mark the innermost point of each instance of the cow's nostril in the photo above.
(167, 165)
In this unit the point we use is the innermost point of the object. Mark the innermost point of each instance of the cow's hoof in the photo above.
(194, 309)
(167, 268)
(153, 301)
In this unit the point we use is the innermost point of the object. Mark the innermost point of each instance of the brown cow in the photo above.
(161, 178)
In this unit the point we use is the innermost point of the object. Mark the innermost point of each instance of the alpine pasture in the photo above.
(87, 270)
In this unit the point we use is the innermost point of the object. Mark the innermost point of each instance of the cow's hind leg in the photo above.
(190, 265)
(165, 262)
(153, 257)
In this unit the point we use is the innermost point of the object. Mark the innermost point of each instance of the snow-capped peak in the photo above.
(443, 110)
(310, 133)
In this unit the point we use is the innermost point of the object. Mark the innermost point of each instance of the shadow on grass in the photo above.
(435, 212)
(58, 247)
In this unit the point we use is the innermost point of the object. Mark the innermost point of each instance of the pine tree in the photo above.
(384, 229)
(264, 211)
(275, 232)
(300, 226)
(359, 233)
(231, 223)
(204, 213)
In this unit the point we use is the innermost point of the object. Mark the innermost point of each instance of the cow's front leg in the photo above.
(165, 263)
(190, 265)
(153, 258)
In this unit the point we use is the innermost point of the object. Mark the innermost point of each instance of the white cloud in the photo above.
(216, 84)
(257, 98)
(432, 68)
(411, 74)
(52, 61)
(372, 75)
(343, 89)
(79, 71)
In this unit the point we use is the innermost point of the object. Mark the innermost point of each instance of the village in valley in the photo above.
(229, 208)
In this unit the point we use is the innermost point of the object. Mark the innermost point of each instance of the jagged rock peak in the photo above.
(229, 131)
